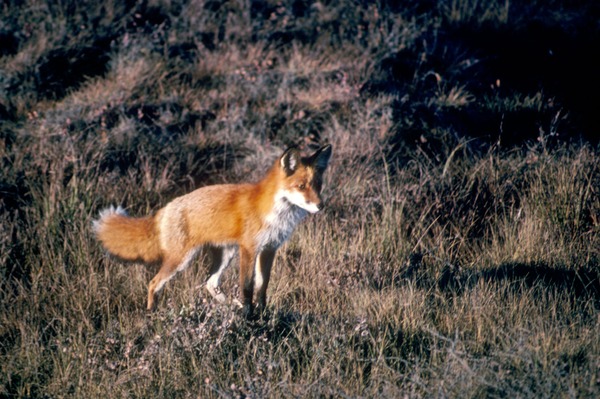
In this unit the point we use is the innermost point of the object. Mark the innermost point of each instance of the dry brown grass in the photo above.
(446, 264)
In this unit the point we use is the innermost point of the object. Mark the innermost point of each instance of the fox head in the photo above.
(304, 177)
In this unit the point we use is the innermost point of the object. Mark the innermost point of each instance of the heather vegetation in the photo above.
(459, 251)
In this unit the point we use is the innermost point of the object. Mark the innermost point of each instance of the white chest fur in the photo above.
(280, 223)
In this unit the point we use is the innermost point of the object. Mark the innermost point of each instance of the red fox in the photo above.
(256, 218)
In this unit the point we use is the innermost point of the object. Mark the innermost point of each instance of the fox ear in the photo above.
(290, 160)
(320, 158)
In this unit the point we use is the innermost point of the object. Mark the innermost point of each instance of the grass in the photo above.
(458, 255)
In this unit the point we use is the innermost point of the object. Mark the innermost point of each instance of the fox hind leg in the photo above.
(170, 267)
(221, 258)
(166, 272)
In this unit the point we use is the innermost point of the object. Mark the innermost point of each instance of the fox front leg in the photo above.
(246, 281)
(262, 275)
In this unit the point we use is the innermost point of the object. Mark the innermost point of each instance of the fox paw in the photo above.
(216, 293)
(237, 303)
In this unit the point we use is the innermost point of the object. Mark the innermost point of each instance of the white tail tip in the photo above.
(96, 224)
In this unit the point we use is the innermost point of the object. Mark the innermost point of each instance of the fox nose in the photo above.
(320, 205)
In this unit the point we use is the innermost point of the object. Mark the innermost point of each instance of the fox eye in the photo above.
(301, 186)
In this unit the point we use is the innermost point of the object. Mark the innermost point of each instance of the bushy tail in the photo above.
(132, 239)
